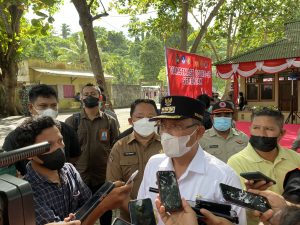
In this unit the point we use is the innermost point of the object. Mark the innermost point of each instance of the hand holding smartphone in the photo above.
(257, 176)
(141, 212)
(244, 199)
(169, 191)
(131, 178)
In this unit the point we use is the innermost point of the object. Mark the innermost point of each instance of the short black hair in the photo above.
(27, 132)
(265, 111)
(91, 85)
(138, 101)
(42, 90)
(204, 98)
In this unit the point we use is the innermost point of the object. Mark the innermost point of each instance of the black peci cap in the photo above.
(222, 107)
(180, 107)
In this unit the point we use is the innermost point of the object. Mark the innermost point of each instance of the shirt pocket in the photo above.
(128, 165)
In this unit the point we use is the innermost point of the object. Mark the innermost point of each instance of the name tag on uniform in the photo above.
(129, 153)
(213, 146)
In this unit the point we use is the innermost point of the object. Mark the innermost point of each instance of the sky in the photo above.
(68, 15)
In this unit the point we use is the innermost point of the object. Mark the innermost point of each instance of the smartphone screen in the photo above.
(244, 199)
(169, 191)
(92, 203)
(141, 212)
(257, 176)
(118, 221)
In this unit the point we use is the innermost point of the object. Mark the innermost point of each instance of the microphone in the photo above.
(10, 157)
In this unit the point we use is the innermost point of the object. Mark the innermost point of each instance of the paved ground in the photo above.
(8, 124)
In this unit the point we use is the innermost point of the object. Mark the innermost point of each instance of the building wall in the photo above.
(124, 95)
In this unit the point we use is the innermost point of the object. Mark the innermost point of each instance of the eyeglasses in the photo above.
(174, 127)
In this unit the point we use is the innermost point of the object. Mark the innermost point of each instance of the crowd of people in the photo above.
(195, 138)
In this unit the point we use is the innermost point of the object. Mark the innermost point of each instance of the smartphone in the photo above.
(92, 203)
(257, 176)
(230, 215)
(141, 212)
(169, 191)
(119, 221)
(131, 178)
(244, 198)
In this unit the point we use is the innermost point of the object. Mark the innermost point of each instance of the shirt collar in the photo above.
(212, 132)
(84, 116)
(252, 154)
(131, 138)
(197, 164)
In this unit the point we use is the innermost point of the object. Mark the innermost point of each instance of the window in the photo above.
(69, 91)
(260, 87)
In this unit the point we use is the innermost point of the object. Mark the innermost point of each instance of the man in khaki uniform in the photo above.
(96, 132)
(222, 140)
(133, 151)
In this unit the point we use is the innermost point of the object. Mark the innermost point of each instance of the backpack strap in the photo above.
(77, 118)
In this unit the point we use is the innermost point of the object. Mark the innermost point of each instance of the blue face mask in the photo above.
(222, 123)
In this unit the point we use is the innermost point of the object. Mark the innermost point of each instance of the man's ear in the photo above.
(282, 133)
(200, 131)
(130, 121)
(30, 108)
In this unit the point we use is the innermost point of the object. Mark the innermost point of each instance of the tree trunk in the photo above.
(86, 23)
(203, 29)
(184, 25)
(9, 73)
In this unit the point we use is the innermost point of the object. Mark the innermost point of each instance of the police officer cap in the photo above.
(222, 107)
(180, 107)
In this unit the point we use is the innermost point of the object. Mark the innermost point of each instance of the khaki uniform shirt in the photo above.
(222, 148)
(95, 139)
(127, 156)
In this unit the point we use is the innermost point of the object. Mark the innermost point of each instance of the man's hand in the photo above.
(276, 201)
(117, 196)
(260, 185)
(185, 216)
(211, 219)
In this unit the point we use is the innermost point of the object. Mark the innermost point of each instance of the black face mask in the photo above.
(264, 144)
(91, 102)
(54, 160)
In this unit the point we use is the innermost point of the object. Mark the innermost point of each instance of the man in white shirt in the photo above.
(198, 173)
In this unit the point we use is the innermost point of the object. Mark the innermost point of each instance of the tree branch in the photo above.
(195, 18)
(99, 16)
(90, 4)
(5, 21)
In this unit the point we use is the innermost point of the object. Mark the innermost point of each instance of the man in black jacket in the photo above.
(43, 101)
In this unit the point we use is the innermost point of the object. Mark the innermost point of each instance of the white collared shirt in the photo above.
(201, 179)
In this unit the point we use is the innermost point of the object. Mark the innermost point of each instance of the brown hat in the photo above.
(222, 107)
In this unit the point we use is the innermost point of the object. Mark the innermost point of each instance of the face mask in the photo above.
(264, 144)
(91, 101)
(144, 127)
(54, 160)
(176, 146)
(222, 123)
(47, 112)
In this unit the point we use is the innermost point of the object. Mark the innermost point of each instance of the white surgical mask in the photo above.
(48, 112)
(176, 146)
(144, 127)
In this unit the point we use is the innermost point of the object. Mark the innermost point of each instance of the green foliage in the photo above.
(151, 58)
(65, 30)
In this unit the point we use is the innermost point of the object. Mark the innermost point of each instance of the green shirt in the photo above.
(248, 160)
(222, 148)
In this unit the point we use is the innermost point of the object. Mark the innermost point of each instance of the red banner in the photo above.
(188, 74)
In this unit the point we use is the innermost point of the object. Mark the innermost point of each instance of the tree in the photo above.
(151, 58)
(65, 30)
(13, 29)
(172, 16)
(86, 10)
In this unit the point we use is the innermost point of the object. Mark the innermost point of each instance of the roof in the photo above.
(68, 73)
(288, 47)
